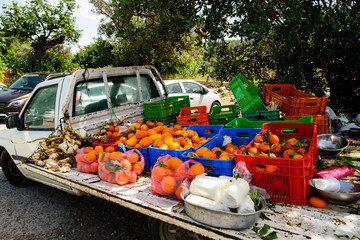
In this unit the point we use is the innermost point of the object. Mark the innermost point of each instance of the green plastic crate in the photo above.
(220, 115)
(262, 115)
(246, 94)
(244, 123)
(165, 108)
(166, 120)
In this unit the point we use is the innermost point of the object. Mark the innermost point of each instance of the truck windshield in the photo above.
(26, 83)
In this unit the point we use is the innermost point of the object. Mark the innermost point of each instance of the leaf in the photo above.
(263, 231)
(270, 236)
(255, 229)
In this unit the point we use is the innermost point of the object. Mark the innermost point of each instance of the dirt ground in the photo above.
(39, 212)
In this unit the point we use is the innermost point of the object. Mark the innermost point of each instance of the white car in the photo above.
(199, 94)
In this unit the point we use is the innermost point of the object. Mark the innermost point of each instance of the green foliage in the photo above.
(96, 55)
(261, 232)
(44, 25)
(308, 43)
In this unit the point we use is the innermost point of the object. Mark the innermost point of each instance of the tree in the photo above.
(309, 43)
(46, 26)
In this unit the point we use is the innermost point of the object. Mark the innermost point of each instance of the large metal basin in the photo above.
(222, 219)
(339, 198)
(331, 144)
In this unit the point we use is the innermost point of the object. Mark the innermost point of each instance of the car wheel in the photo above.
(163, 231)
(215, 104)
(11, 171)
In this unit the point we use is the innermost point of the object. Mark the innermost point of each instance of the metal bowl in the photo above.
(331, 144)
(338, 198)
(223, 219)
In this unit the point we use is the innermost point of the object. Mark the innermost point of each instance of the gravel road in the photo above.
(41, 212)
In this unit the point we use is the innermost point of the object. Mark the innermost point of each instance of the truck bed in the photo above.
(289, 221)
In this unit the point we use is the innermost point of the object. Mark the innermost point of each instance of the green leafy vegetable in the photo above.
(348, 162)
(261, 232)
(256, 200)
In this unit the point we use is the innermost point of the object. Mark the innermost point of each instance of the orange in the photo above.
(298, 156)
(116, 129)
(209, 154)
(230, 149)
(145, 142)
(131, 176)
(120, 178)
(271, 169)
(131, 142)
(138, 167)
(94, 167)
(192, 154)
(117, 155)
(317, 202)
(197, 168)
(144, 127)
(264, 147)
(110, 128)
(137, 126)
(177, 127)
(253, 150)
(273, 139)
(132, 129)
(122, 139)
(133, 157)
(289, 153)
(292, 144)
(158, 143)
(151, 132)
(115, 134)
(99, 149)
(302, 151)
(159, 124)
(164, 146)
(110, 149)
(178, 191)
(174, 163)
(200, 152)
(155, 136)
(126, 164)
(259, 138)
(195, 139)
(108, 134)
(224, 156)
(168, 184)
(276, 148)
(158, 173)
(140, 134)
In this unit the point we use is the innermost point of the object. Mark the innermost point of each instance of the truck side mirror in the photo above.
(12, 121)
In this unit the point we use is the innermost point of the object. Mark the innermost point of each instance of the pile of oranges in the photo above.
(267, 144)
(142, 135)
(112, 132)
(87, 158)
(220, 153)
(168, 177)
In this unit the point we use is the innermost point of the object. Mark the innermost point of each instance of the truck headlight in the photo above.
(15, 104)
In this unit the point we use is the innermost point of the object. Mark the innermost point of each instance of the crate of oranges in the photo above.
(176, 140)
(281, 160)
(170, 175)
(217, 155)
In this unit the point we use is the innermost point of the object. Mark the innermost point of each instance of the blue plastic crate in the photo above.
(145, 153)
(207, 131)
(239, 136)
(155, 153)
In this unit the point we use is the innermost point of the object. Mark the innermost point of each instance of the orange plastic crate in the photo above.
(193, 116)
(294, 102)
(291, 183)
(322, 122)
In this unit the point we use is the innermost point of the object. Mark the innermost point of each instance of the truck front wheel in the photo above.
(11, 171)
(160, 230)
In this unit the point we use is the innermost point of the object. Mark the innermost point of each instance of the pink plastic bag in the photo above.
(335, 172)
(84, 163)
(170, 183)
(121, 168)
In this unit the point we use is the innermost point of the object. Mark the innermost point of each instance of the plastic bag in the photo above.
(87, 160)
(241, 170)
(121, 168)
(170, 183)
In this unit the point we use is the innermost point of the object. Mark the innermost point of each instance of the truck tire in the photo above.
(11, 171)
(160, 230)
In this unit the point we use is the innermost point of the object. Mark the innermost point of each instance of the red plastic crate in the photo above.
(294, 102)
(111, 142)
(322, 122)
(193, 116)
(291, 183)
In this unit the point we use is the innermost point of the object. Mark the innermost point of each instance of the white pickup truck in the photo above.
(90, 97)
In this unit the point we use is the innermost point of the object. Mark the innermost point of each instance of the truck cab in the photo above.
(86, 99)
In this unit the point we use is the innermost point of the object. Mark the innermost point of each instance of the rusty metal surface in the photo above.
(295, 222)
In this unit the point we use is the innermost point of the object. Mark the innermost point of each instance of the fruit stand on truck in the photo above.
(87, 99)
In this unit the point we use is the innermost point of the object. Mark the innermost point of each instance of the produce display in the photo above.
(267, 144)
(170, 175)
(221, 153)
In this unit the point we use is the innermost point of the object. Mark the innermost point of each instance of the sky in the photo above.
(86, 21)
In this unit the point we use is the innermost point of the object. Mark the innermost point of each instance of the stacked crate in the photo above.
(193, 116)
(295, 104)
(221, 115)
(166, 111)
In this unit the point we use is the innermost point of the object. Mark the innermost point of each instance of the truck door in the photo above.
(38, 119)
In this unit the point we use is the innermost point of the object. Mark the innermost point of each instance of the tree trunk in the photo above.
(42, 44)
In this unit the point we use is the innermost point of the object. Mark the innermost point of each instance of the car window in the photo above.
(40, 112)
(174, 88)
(192, 87)
(148, 88)
(26, 83)
(90, 97)
(123, 90)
